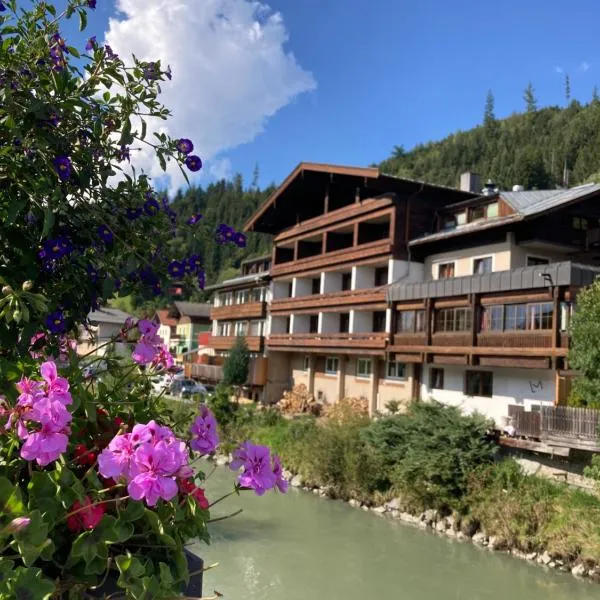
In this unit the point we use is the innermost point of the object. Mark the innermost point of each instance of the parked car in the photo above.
(189, 387)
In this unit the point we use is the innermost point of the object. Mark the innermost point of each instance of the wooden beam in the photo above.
(533, 446)
(514, 361)
(326, 202)
(488, 299)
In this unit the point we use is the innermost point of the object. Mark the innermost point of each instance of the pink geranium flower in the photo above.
(152, 474)
(204, 432)
(256, 462)
(88, 518)
(44, 446)
(114, 461)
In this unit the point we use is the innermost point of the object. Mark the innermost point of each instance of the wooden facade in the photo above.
(226, 343)
(233, 312)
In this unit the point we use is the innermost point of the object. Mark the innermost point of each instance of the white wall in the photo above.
(361, 322)
(388, 320)
(524, 387)
(300, 323)
(405, 271)
(279, 289)
(329, 322)
(363, 277)
(331, 282)
(215, 327)
(301, 287)
(463, 259)
(164, 331)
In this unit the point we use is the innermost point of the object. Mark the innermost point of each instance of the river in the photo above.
(301, 547)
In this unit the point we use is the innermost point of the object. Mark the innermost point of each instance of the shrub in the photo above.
(430, 451)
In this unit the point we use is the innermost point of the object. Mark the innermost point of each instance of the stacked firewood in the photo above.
(297, 401)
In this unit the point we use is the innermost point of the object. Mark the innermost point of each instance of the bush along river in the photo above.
(302, 546)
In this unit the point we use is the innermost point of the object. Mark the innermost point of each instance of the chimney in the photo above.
(470, 182)
(490, 188)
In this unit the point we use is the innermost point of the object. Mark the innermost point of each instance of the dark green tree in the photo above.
(530, 99)
(595, 98)
(235, 369)
(489, 117)
(584, 355)
(568, 88)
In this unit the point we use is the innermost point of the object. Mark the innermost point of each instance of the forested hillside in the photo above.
(532, 149)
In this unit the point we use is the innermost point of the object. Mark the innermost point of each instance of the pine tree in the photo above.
(567, 88)
(595, 98)
(235, 369)
(489, 118)
(530, 99)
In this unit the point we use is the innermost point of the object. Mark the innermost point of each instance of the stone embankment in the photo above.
(451, 526)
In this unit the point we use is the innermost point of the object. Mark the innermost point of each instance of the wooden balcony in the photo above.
(410, 339)
(353, 255)
(255, 342)
(371, 298)
(234, 312)
(365, 343)
(515, 339)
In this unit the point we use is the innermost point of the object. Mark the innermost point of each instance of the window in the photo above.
(411, 321)
(453, 319)
(241, 328)
(241, 297)
(344, 322)
(290, 289)
(482, 265)
(479, 383)
(363, 367)
(539, 316)
(316, 285)
(492, 210)
(492, 318)
(580, 223)
(346, 281)
(534, 261)
(436, 379)
(314, 324)
(445, 270)
(306, 363)
(228, 298)
(477, 213)
(395, 370)
(461, 217)
(381, 276)
(259, 294)
(223, 330)
(257, 328)
(288, 325)
(331, 365)
(515, 317)
(448, 222)
(379, 321)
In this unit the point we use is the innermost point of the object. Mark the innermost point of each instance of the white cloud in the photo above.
(559, 70)
(231, 71)
(584, 66)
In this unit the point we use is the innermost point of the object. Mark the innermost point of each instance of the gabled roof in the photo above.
(526, 204)
(114, 316)
(193, 309)
(370, 177)
(163, 317)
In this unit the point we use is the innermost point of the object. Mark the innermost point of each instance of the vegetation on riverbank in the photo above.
(429, 458)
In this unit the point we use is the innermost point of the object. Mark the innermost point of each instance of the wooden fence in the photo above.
(561, 425)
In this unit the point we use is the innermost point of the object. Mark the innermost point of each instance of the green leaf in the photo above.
(48, 222)
(166, 577)
(82, 20)
(143, 134)
(84, 547)
(30, 584)
(43, 495)
(162, 161)
(10, 499)
(33, 539)
(133, 512)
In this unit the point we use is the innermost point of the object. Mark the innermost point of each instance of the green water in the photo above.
(302, 547)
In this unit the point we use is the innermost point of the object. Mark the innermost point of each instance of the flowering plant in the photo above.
(93, 483)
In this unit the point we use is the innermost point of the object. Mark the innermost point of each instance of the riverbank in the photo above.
(436, 469)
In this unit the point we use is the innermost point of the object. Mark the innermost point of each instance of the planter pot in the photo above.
(194, 588)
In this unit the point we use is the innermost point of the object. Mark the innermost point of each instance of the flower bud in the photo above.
(6, 290)
(27, 285)
(17, 316)
(17, 525)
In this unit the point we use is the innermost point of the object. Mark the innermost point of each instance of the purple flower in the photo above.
(105, 234)
(54, 249)
(91, 4)
(194, 262)
(239, 240)
(184, 145)
(201, 279)
(123, 154)
(62, 165)
(55, 322)
(168, 73)
(57, 387)
(53, 119)
(256, 462)
(280, 483)
(151, 207)
(109, 52)
(92, 273)
(175, 268)
(2, 7)
(193, 162)
(152, 472)
(204, 432)
(147, 327)
(44, 446)
(194, 219)
(91, 43)
(134, 213)
(114, 461)
(151, 71)
(143, 353)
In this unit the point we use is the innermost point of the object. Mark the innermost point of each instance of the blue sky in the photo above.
(402, 72)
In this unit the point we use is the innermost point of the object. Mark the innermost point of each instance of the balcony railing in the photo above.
(249, 310)
(255, 342)
(332, 299)
(320, 261)
(369, 341)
